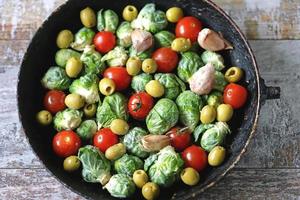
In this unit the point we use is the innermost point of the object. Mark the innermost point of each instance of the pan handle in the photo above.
(269, 92)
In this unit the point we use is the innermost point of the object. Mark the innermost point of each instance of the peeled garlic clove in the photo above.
(141, 40)
(212, 41)
(155, 142)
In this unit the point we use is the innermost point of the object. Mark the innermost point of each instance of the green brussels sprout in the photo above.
(92, 60)
(150, 19)
(189, 105)
(189, 63)
(127, 164)
(108, 20)
(163, 116)
(63, 55)
(120, 186)
(172, 84)
(139, 82)
(220, 81)
(124, 34)
(95, 167)
(113, 107)
(141, 55)
(199, 130)
(83, 37)
(214, 58)
(87, 129)
(215, 98)
(164, 167)
(56, 79)
(164, 38)
(116, 57)
(68, 119)
(132, 141)
(87, 87)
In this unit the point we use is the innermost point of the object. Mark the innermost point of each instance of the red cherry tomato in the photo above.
(180, 138)
(188, 27)
(54, 101)
(104, 139)
(120, 76)
(139, 105)
(195, 157)
(166, 59)
(104, 41)
(235, 95)
(66, 143)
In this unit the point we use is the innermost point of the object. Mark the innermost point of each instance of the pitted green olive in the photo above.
(44, 117)
(88, 17)
(73, 67)
(74, 101)
(90, 110)
(116, 151)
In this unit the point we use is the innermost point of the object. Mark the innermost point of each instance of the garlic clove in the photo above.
(155, 142)
(212, 41)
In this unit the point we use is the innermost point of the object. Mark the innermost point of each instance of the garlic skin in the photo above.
(155, 142)
(141, 40)
(212, 41)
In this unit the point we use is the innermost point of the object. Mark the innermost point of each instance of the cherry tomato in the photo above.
(166, 59)
(235, 95)
(119, 75)
(104, 139)
(195, 157)
(180, 138)
(188, 27)
(139, 105)
(66, 143)
(104, 41)
(54, 101)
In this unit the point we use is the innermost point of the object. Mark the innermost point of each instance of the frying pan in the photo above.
(40, 56)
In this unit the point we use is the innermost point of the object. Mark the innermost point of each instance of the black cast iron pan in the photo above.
(40, 56)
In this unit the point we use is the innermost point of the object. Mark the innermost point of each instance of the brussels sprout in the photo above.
(214, 58)
(163, 116)
(164, 167)
(92, 60)
(199, 130)
(108, 20)
(141, 55)
(150, 19)
(215, 98)
(56, 79)
(67, 119)
(172, 84)
(87, 87)
(139, 82)
(189, 105)
(220, 81)
(87, 129)
(116, 57)
(164, 38)
(124, 34)
(120, 186)
(189, 63)
(113, 107)
(95, 167)
(127, 164)
(132, 141)
(63, 55)
(82, 38)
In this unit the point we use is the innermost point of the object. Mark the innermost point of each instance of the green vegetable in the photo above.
(139, 82)
(164, 167)
(83, 37)
(67, 119)
(87, 87)
(92, 60)
(87, 129)
(116, 57)
(164, 38)
(113, 107)
(215, 98)
(127, 164)
(150, 19)
(120, 186)
(63, 55)
(95, 167)
(108, 20)
(189, 63)
(163, 116)
(56, 79)
(141, 55)
(124, 34)
(220, 81)
(214, 58)
(172, 84)
(199, 130)
(132, 141)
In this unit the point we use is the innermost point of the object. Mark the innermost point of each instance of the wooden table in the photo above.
(270, 169)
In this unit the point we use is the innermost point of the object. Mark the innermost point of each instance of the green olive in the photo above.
(155, 89)
(133, 66)
(190, 176)
(224, 112)
(74, 101)
(64, 39)
(90, 110)
(181, 44)
(73, 67)
(116, 151)
(44, 117)
(140, 178)
(234, 74)
(149, 66)
(174, 14)
(150, 191)
(119, 127)
(130, 13)
(107, 86)
(208, 114)
(71, 163)
(88, 17)
(216, 156)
